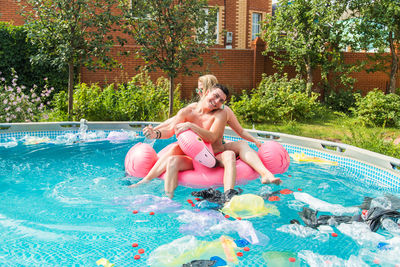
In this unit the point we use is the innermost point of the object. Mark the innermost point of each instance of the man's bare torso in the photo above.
(206, 121)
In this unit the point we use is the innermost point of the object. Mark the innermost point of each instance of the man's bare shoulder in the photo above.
(221, 113)
(187, 110)
(192, 105)
(229, 111)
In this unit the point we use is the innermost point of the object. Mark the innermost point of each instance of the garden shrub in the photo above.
(16, 52)
(18, 106)
(378, 109)
(276, 99)
(342, 100)
(60, 110)
(138, 100)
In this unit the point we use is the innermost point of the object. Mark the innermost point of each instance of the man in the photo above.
(208, 120)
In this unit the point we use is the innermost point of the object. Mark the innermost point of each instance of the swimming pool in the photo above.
(64, 201)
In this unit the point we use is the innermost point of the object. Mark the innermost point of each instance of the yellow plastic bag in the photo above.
(248, 206)
(301, 157)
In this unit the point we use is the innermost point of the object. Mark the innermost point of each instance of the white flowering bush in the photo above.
(17, 106)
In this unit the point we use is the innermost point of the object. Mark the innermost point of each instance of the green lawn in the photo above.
(342, 130)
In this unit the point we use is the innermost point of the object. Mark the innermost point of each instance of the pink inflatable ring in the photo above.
(141, 158)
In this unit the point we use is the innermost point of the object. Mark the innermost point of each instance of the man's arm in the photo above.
(168, 127)
(166, 123)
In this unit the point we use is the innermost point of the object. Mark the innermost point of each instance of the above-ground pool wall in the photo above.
(381, 170)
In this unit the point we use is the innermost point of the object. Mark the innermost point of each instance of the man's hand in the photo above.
(149, 132)
(181, 127)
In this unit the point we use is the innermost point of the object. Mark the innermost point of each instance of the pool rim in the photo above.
(385, 162)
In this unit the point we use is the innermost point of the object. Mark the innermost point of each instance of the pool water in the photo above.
(68, 204)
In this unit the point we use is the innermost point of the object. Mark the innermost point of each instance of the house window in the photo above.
(216, 28)
(256, 25)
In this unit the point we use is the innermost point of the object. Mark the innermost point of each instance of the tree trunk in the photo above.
(309, 78)
(394, 65)
(171, 96)
(70, 89)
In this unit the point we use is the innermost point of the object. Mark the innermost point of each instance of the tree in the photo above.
(72, 33)
(171, 34)
(16, 52)
(378, 27)
(306, 34)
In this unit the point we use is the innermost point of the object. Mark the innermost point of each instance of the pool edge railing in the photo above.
(389, 163)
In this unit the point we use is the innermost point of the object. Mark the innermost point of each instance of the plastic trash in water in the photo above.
(248, 206)
(383, 246)
(34, 140)
(188, 248)
(301, 157)
(315, 259)
(207, 205)
(218, 261)
(320, 205)
(104, 262)
(241, 242)
(280, 258)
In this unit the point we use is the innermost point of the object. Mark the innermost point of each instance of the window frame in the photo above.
(255, 25)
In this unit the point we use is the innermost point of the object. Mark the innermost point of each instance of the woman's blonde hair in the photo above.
(208, 82)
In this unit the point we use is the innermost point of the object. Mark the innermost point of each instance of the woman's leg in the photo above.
(228, 161)
(160, 166)
(249, 155)
(174, 165)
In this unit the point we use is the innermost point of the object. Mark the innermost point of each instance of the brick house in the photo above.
(239, 51)
(239, 18)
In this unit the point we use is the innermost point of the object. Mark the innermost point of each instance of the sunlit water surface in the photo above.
(68, 204)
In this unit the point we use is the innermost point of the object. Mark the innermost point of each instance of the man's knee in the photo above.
(175, 149)
(228, 156)
(243, 144)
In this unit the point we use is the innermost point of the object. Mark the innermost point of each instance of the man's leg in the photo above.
(174, 165)
(227, 159)
(249, 155)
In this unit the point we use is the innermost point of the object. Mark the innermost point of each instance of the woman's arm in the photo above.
(233, 122)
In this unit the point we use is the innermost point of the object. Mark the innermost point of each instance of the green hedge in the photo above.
(15, 53)
(341, 100)
(276, 99)
(378, 109)
(138, 100)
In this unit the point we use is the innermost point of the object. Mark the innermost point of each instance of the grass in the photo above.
(342, 129)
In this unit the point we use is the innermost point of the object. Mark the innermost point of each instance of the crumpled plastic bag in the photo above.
(248, 206)
(360, 232)
(303, 231)
(188, 248)
(147, 203)
(245, 230)
(320, 205)
(199, 223)
(314, 259)
(212, 222)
